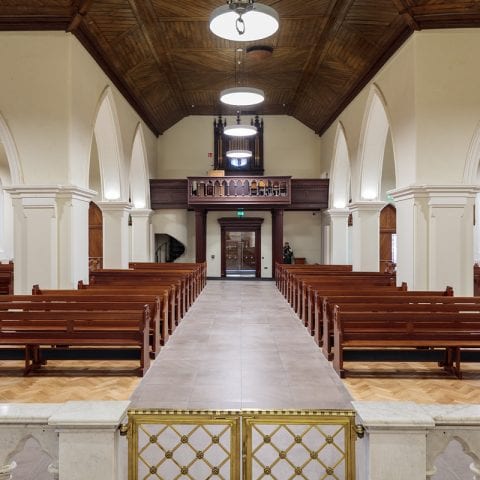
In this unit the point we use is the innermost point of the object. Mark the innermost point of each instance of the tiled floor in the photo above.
(241, 346)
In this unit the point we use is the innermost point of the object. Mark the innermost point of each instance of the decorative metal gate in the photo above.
(278, 445)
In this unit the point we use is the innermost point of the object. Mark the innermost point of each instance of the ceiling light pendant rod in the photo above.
(244, 21)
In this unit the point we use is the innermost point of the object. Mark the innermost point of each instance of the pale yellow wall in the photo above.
(447, 102)
(395, 82)
(303, 230)
(34, 101)
(88, 82)
(290, 148)
(50, 89)
(180, 224)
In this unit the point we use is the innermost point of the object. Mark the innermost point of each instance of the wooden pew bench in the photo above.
(6, 278)
(75, 299)
(114, 277)
(324, 304)
(74, 328)
(437, 328)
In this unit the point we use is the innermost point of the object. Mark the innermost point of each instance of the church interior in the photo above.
(195, 286)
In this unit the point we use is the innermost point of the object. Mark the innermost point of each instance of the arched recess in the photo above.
(139, 176)
(340, 172)
(10, 174)
(375, 128)
(107, 142)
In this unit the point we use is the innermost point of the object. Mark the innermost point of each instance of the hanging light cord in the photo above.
(240, 8)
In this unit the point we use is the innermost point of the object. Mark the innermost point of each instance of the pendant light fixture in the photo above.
(239, 154)
(242, 96)
(240, 130)
(244, 21)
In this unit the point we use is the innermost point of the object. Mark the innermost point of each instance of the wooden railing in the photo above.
(239, 190)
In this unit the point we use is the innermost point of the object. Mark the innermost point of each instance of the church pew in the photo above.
(302, 283)
(98, 300)
(54, 325)
(173, 316)
(200, 268)
(433, 328)
(299, 282)
(281, 270)
(323, 322)
(6, 278)
(182, 278)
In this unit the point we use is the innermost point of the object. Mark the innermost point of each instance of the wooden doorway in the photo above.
(95, 237)
(241, 240)
(388, 229)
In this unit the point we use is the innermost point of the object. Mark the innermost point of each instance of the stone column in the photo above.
(73, 239)
(395, 442)
(435, 237)
(35, 236)
(115, 234)
(141, 234)
(338, 235)
(366, 235)
(89, 440)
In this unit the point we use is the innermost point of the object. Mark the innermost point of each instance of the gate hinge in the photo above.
(359, 430)
(123, 429)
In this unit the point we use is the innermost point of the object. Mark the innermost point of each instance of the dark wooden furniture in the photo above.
(435, 328)
(6, 278)
(32, 326)
(108, 300)
(323, 332)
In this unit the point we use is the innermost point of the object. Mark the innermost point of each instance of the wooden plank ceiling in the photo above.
(166, 62)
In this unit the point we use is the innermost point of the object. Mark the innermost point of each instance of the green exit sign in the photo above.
(240, 212)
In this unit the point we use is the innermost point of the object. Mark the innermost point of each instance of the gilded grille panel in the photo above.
(311, 445)
(278, 445)
(170, 445)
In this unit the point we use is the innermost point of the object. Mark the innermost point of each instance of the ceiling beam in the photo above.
(78, 17)
(405, 11)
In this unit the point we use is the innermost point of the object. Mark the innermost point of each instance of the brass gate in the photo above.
(253, 445)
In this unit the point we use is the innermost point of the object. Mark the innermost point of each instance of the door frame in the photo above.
(233, 224)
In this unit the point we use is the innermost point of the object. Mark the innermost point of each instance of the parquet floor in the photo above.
(378, 382)
(68, 380)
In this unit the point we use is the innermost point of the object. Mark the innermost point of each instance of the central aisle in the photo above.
(241, 346)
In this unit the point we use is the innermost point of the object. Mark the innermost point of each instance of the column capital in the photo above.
(115, 206)
(141, 212)
(49, 191)
(366, 206)
(434, 191)
(338, 212)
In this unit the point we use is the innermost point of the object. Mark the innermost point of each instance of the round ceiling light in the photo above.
(240, 130)
(242, 96)
(239, 154)
(244, 21)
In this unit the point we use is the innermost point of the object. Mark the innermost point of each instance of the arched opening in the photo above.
(95, 237)
(454, 462)
(107, 147)
(377, 151)
(388, 232)
(139, 177)
(340, 172)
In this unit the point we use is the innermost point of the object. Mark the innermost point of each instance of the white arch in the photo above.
(110, 153)
(473, 159)
(6, 139)
(340, 173)
(375, 129)
(139, 176)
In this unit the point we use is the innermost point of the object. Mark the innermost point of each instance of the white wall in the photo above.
(303, 231)
(179, 224)
(290, 148)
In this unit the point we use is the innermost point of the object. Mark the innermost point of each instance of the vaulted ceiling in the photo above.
(164, 59)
